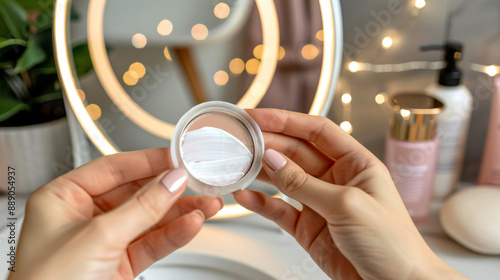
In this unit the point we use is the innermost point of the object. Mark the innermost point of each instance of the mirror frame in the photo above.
(330, 70)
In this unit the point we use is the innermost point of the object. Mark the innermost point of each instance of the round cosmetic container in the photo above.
(220, 146)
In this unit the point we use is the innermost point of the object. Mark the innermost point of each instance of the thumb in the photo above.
(294, 182)
(146, 207)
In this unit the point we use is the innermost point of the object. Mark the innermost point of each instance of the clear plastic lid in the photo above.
(220, 146)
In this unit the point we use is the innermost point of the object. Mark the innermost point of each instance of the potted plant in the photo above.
(34, 133)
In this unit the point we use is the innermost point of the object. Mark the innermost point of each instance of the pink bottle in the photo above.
(412, 149)
(490, 167)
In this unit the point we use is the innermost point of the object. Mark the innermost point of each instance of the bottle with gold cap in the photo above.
(412, 149)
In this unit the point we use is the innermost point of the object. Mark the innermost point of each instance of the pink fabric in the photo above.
(296, 80)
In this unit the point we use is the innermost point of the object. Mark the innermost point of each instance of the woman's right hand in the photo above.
(353, 222)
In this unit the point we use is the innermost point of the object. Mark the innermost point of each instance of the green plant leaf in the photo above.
(4, 31)
(10, 107)
(81, 57)
(32, 56)
(46, 97)
(15, 17)
(44, 20)
(5, 65)
(5, 42)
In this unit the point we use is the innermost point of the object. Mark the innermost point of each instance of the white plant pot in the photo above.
(39, 153)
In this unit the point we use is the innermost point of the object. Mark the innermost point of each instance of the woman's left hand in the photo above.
(109, 219)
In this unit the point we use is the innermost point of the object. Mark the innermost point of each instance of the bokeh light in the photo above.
(166, 53)
(237, 66)
(139, 40)
(138, 68)
(221, 78)
(387, 42)
(281, 53)
(405, 113)
(420, 3)
(252, 66)
(199, 32)
(346, 126)
(346, 98)
(380, 98)
(94, 111)
(257, 51)
(130, 78)
(354, 66)
(491, 70)
(222, 10)
(81, 94)
(165, 27)
(310, 52)
(319, 35)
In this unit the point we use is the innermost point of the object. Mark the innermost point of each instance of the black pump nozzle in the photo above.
(451, 75)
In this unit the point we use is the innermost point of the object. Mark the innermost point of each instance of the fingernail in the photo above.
(221, 201)
(174, 180)
(199, 213)
(274, 159)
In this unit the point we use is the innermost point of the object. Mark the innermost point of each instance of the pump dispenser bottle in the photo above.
(453, 122)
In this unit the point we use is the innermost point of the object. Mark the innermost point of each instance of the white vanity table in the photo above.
(253, 248)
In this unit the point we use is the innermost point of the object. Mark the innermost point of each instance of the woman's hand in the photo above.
(109, 219)
(353, 222)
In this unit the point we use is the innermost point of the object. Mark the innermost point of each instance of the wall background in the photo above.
(475, 23)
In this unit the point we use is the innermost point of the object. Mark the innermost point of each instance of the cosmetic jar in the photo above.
(220, 146)
(412, 149)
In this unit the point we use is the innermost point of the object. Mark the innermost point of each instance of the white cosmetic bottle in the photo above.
(453, 122)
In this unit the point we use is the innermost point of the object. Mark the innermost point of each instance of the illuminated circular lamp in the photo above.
(330, 69)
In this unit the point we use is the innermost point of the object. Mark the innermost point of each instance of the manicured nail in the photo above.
(274, 159)
(174, 180)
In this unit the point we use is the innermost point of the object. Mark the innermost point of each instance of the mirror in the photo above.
(154, 60)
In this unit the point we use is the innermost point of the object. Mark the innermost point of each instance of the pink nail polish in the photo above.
(274, 159)
(174, 180)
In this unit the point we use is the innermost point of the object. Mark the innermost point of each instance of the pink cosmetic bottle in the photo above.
(490, 167)
(411, 151)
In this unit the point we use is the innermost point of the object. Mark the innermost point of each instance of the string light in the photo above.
(346, 126)
(221, 10)
(354, 66)
(94, 111)
(257, 51)
(309, 52)
(346, 98)
(130, 78)
(199, 32)
(237, 66)
(420, 4)
(319, 35)
(139, 41)
(252, 66)
(138, 68)
(491, 70)
(81, 94)
(380, 98)
(165, 27)
(281, 53)
(405, 113)
(387, 42)
(221, 78)
(166, 53)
